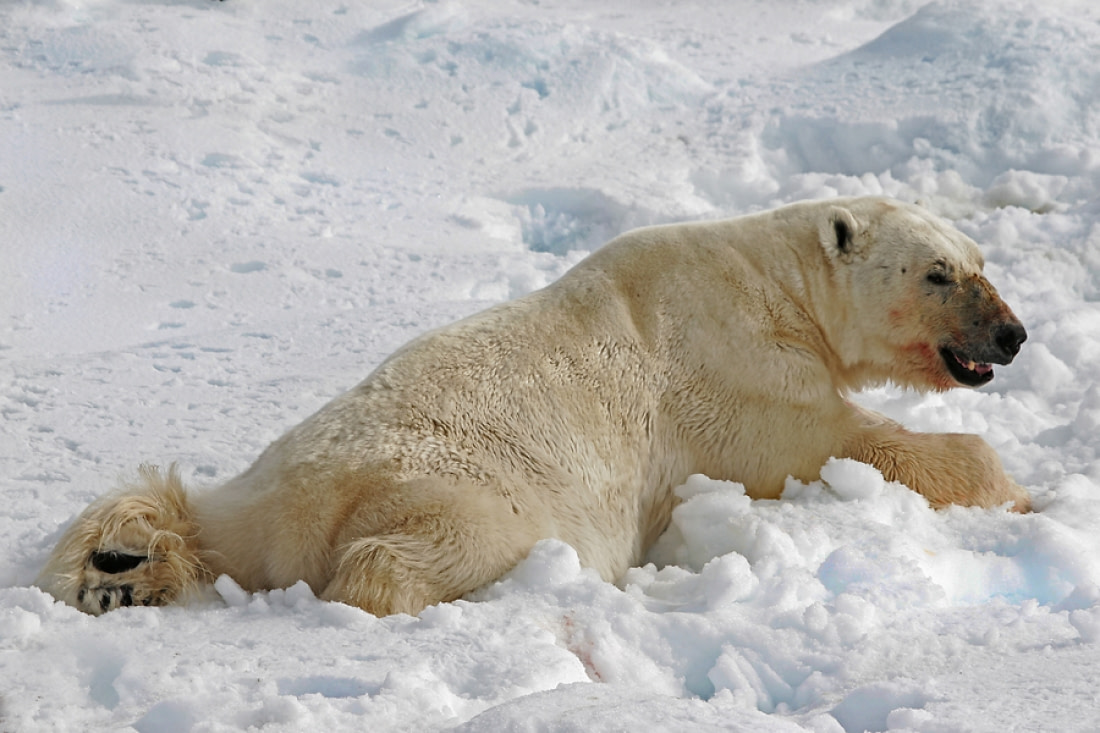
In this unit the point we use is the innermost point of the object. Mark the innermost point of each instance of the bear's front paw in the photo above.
(1021, 500)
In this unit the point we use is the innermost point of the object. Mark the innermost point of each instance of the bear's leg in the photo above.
(946, 468)
(449, 541)
(135, 548)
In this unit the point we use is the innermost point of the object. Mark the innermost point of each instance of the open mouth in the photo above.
(965, 370)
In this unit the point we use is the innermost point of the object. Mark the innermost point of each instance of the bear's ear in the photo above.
(839, 233)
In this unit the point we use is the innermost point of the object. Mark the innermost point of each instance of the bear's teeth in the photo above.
(972, 365)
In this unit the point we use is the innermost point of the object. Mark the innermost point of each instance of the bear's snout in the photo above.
(994, 343)
(1008, 338)
(990, 335)
(995, 334)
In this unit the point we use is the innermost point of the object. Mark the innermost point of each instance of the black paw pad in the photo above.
(113, 563)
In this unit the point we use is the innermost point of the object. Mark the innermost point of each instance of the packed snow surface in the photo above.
(219, 215)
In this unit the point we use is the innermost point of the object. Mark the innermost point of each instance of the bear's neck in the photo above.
(811, 286)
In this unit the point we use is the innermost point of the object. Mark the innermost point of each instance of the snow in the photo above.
(217, 216)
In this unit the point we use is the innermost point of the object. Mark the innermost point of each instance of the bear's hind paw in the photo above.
(117, 579)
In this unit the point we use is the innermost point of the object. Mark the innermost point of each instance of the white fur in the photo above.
(725, 348)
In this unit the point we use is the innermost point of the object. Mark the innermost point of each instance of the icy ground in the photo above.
(218, 215)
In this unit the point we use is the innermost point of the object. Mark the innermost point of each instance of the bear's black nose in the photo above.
(1009, 336)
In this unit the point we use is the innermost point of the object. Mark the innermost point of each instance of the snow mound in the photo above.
(911, 93)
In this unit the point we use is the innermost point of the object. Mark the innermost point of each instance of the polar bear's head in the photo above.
(925, 315)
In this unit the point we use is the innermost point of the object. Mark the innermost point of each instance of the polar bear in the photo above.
(726, 348)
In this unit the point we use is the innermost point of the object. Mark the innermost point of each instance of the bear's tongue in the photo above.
(974, 366)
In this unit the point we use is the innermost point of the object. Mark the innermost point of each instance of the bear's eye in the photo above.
(936, 277)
